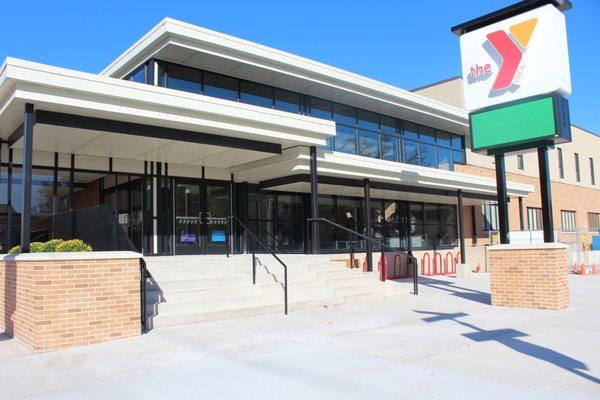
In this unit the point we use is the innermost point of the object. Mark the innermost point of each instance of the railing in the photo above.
(411, 259)
(247, 230)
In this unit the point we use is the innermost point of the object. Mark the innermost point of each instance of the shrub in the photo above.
(74, 245)
(35, 247)
(15, 250)
(50, 246)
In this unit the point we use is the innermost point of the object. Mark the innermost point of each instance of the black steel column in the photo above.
(502, 198)
(55, 185)
(546, 194)
(9, 201)
(521, 214)
(72, 195)
(461, 230)
(159, 199)
(28, 124)
(231, 212)
(369, 233)
(314, 200)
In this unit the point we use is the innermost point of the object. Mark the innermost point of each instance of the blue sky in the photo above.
(405, 43)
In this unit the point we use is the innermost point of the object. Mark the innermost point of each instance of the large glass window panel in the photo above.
(448, 235)
(391, 212)
(410, 131)
(431, 213)
(368, 144)
(447, 214)
(287, 101)
(388, 125)
(185, 79)
(458, 157)
(389, 147)
(457, 142)
(344, 114)
(417, 236)
(139, 75)
(289, 220)
(445, 159)
(377, 212)
(428, 155)
(220, 86)
(320, 108)
(326, 231)
(411, 152)
(426, 134)
(368, 120)
(432, 235)
(345, 139)
(443, 139)
(256, 94)
(416, 214)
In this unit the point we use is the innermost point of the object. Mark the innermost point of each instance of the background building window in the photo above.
(568, 221)
(561, 167)
(592, 172)
(594, 221)
(520, 162)
(577, 171)
(534, 219)
(490, 217)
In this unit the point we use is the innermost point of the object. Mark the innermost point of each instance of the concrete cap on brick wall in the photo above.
(91, 255)
(528, 246)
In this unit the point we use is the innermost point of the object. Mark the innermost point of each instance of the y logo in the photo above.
(510, 48)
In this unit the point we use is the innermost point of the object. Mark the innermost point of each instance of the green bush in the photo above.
(15, 250)
(50, 246)
(36, 247)
(74, 245)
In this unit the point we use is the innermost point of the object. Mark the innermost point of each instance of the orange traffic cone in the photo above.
(583, 269)
(575, 269)
(478, 269)
(594, 270)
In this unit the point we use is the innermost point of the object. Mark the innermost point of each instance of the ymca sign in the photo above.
(522, 56)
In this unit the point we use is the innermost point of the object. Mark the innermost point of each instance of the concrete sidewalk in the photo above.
(446, 343)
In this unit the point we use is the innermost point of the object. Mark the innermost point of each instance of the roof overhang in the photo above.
(338, 170)
(99, 115)
(191, 45)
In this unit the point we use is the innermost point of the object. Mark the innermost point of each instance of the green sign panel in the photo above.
(521, 125)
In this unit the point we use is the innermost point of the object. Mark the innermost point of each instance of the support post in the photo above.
(314, 200)
(28, 124)
(461, 230)
(9, 201)
(546, 194)
(502, 198)
(72, 195)
(231, 212)
(521, 214)
(369, 233)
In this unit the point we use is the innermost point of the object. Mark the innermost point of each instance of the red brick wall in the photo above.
(49, 305)
(529, 277)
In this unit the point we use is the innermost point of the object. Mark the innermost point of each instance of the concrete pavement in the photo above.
(446, 343)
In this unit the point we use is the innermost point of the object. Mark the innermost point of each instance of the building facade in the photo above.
(189, 126)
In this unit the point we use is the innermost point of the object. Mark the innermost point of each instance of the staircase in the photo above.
(191, 289)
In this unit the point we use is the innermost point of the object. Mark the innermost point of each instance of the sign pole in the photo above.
(502, 196)
(546, 194)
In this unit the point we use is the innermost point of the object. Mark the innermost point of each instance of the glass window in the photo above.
(139, 75)
(445, 159)
(568, 221)
(410, 131)
(448, 235)
(256, 94)
(594, 221)
(490, 217)
(577, 172)
(534, 219)
(184, 79)
(561, 169)
(345, 139)
(368, 143)
(411, 152)
(592, 172)
(389, 148)
(457, 142)
(426, 134)
(520, 162)
(447, 214)
(458, 157)
(443, 139)
(344, 114)
(428, 157)
(287, 101)
(220, 86)
(431, 213)
(320, 108)
(432, 235)
(388, 125)
(416, 213)
(368, 120)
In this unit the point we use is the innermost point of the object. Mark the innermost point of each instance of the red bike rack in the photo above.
(450, 267)
(423, 264)
(437, 256)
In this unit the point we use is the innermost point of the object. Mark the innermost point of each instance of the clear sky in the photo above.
(405, 43)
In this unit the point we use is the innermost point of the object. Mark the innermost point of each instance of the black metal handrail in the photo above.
(411, 259)
(285, 268)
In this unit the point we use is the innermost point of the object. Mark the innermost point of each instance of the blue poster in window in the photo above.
(218, 236)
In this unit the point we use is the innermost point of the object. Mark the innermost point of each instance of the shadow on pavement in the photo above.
(458, 291)
(510, 338)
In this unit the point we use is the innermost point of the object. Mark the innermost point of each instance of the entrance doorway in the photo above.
(201, 210)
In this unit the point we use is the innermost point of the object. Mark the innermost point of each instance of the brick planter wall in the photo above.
(58, 300)
(529, 276)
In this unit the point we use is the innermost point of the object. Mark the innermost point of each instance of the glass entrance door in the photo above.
(201, 210)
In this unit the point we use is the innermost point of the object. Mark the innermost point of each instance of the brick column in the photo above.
(50, 301)
(529, 276)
